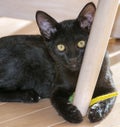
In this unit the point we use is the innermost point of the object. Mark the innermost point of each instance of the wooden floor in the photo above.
(42, 114)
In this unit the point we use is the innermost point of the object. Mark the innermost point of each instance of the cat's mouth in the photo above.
(73, 64)
(74, 67)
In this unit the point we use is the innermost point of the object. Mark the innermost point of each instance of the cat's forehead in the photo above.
(67, 23)
(69, 39)
(71, 32)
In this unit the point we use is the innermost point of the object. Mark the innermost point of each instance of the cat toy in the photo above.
(97, 99)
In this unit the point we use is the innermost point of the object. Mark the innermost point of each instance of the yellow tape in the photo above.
(103, 97)
(97, 99)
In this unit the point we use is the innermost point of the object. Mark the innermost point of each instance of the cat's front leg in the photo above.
(67, 110)
(100, 110)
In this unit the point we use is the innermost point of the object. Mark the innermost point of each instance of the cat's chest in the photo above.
(71, 77)
(67, 78)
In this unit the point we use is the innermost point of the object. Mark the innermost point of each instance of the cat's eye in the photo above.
(61, 47)
(81, 44)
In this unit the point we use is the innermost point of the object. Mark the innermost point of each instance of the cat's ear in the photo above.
(46, 24)
(86, 16)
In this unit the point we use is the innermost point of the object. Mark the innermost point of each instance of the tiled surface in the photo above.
(10, 26)
(59, 9)
(26, 9)
(42, 114)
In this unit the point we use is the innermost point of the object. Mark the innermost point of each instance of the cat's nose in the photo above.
(73, 60)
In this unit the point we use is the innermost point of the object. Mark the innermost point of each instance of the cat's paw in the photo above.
(95, 113)
(30, 96)
(100, 110)
(72, 114)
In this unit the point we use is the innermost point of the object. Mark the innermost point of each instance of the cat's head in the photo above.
(66, 41)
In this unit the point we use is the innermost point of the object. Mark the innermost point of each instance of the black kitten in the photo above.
(35, 67)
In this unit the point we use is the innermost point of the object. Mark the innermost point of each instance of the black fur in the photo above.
(32, 68)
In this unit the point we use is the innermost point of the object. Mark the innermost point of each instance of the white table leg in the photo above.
(94, 53)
